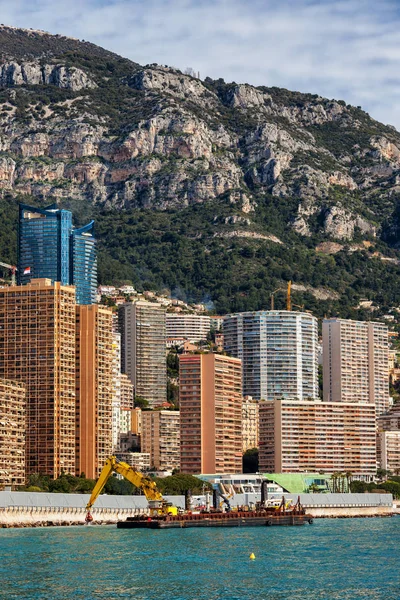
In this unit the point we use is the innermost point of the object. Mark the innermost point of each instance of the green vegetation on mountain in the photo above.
(217, 192)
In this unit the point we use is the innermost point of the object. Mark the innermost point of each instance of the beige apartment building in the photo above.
(210, 402)
(317, 437)
(143, 343)
(127, 392)
(161, 438)
(388, 440)
(37, 345)
(12, 433)
(136, 426)
(94, 388)
(355, 362)
(389, 451)
(116, 384)
(250, 423)
(193, 328)
(390, 421)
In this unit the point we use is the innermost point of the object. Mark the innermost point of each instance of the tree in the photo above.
(120, 487)
(180, 483)
(358, 487)
(392, 487)
(141, 402)
(250, 461)
(314, 488)
(349, 476)
(382, 474)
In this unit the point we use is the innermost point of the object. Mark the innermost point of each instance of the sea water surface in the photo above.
(333, 559)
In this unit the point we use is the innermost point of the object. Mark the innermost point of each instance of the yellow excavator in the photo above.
(157, 504)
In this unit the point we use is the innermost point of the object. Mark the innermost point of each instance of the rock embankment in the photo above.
(22, 516)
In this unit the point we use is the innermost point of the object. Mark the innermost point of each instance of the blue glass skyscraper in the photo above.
(50, 247)
(43, 244)
(84, 264)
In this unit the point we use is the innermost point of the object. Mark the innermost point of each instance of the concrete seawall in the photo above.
(20, 516)
(30, 509)
(25, 509)
(346, 505)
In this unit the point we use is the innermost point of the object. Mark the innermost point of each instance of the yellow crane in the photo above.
(288, 296)
(157, 504)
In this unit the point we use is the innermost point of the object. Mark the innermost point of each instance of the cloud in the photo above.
(343, 49)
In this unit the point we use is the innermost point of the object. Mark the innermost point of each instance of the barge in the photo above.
(240, 518)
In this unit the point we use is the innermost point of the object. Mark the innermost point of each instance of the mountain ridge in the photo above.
(237, 170)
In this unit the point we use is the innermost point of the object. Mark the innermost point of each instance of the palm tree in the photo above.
(349, 477)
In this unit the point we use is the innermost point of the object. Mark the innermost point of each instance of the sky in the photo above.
(342, 49)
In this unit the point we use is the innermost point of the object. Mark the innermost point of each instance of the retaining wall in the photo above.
(26, 509)
(30, 509)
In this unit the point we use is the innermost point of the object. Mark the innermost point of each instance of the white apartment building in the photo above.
(279, 353)
(139, 461)
(355, 362)
(193, 328)
(143, 341)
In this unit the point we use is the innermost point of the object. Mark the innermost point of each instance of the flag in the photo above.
(27, 271)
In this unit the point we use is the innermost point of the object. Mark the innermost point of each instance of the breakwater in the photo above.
(27, 509)
(346, 505)
(31, 509)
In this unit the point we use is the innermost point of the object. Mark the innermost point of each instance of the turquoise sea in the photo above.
(341, 559)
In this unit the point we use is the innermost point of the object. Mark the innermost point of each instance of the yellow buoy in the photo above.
(252, 556)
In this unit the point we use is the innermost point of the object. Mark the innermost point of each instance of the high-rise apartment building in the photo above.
(210, 403)
(390, 421)
(37, 348)
(314, 436)
(142, 327)
(84, 264)
(279, 353)
(44, 244)
(12, 433)
(94, 388)
(161, 438)
(116, 387)
(249, 423)
(189, 327)
(355, 362)
(127, 393)
(50, 247)
(127, 403)
(388, 440)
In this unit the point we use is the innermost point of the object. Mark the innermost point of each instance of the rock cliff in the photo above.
(79, 122)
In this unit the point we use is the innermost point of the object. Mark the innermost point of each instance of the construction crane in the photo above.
(288, 296)
(13, 270)
(289, 303)
(157, 504)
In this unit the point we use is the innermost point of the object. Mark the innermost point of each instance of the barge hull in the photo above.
(245, 521)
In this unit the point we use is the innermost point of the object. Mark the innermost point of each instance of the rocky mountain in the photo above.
(184, 174)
